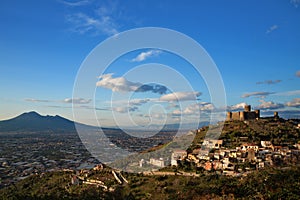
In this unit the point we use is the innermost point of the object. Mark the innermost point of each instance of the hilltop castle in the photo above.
(247, 114)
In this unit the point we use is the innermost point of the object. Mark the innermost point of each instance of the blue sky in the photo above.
(255, 45)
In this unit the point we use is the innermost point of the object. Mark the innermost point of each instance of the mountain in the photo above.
(33, 121)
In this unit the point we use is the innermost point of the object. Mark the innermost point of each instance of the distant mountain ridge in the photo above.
(33, 121)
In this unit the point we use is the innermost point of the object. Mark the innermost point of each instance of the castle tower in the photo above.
(257, 114)
(247, 108)
(242, 116)
(229, 116)
(276, 116)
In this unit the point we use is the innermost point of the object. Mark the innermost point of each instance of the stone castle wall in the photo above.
(247, 114)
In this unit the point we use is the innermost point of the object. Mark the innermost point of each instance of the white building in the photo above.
(266, 144)
(157, 162)
(142, 162)
(213, 144)
(246, 146)
(177, 155)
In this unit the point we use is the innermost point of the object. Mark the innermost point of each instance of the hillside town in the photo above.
(221, 157)
(242, 159)
(231, 161)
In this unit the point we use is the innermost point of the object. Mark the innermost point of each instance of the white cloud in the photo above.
(195, 108)
(77, 100)
(75, 3)
(272, 28)
(295, 3)
(132, 102)
(177, 112)
(119, 84)
(125, 109)
(294, 103)
(144, 55)
(172, 105)
(102, 21)
(83, 23)
(258, 94)
(269, 105)
(236, 106)
(180, 96)
(155, 119)
(298, 73)
(138, 102)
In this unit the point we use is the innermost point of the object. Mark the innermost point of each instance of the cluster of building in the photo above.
(25, 155)
(139, 144)
(236, 161)
(213, 156)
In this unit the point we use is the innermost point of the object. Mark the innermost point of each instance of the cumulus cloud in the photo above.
(238, 106)
(272, 28)
(77, 100)
(155, 115)
(172, 105)
(269, 105)
(257, 94)
(120, 84)
(294, 103)
(202, 106)
(125, 109)
(138, 102)
(132, 102)
(269, 82)
(144, 55)
(177, 112)
(180, 96)
(194, 109)
(298, 73)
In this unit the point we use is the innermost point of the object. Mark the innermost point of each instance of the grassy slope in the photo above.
(266, 184)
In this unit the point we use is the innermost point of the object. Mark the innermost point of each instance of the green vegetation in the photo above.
(56, 185)
(265, 184)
